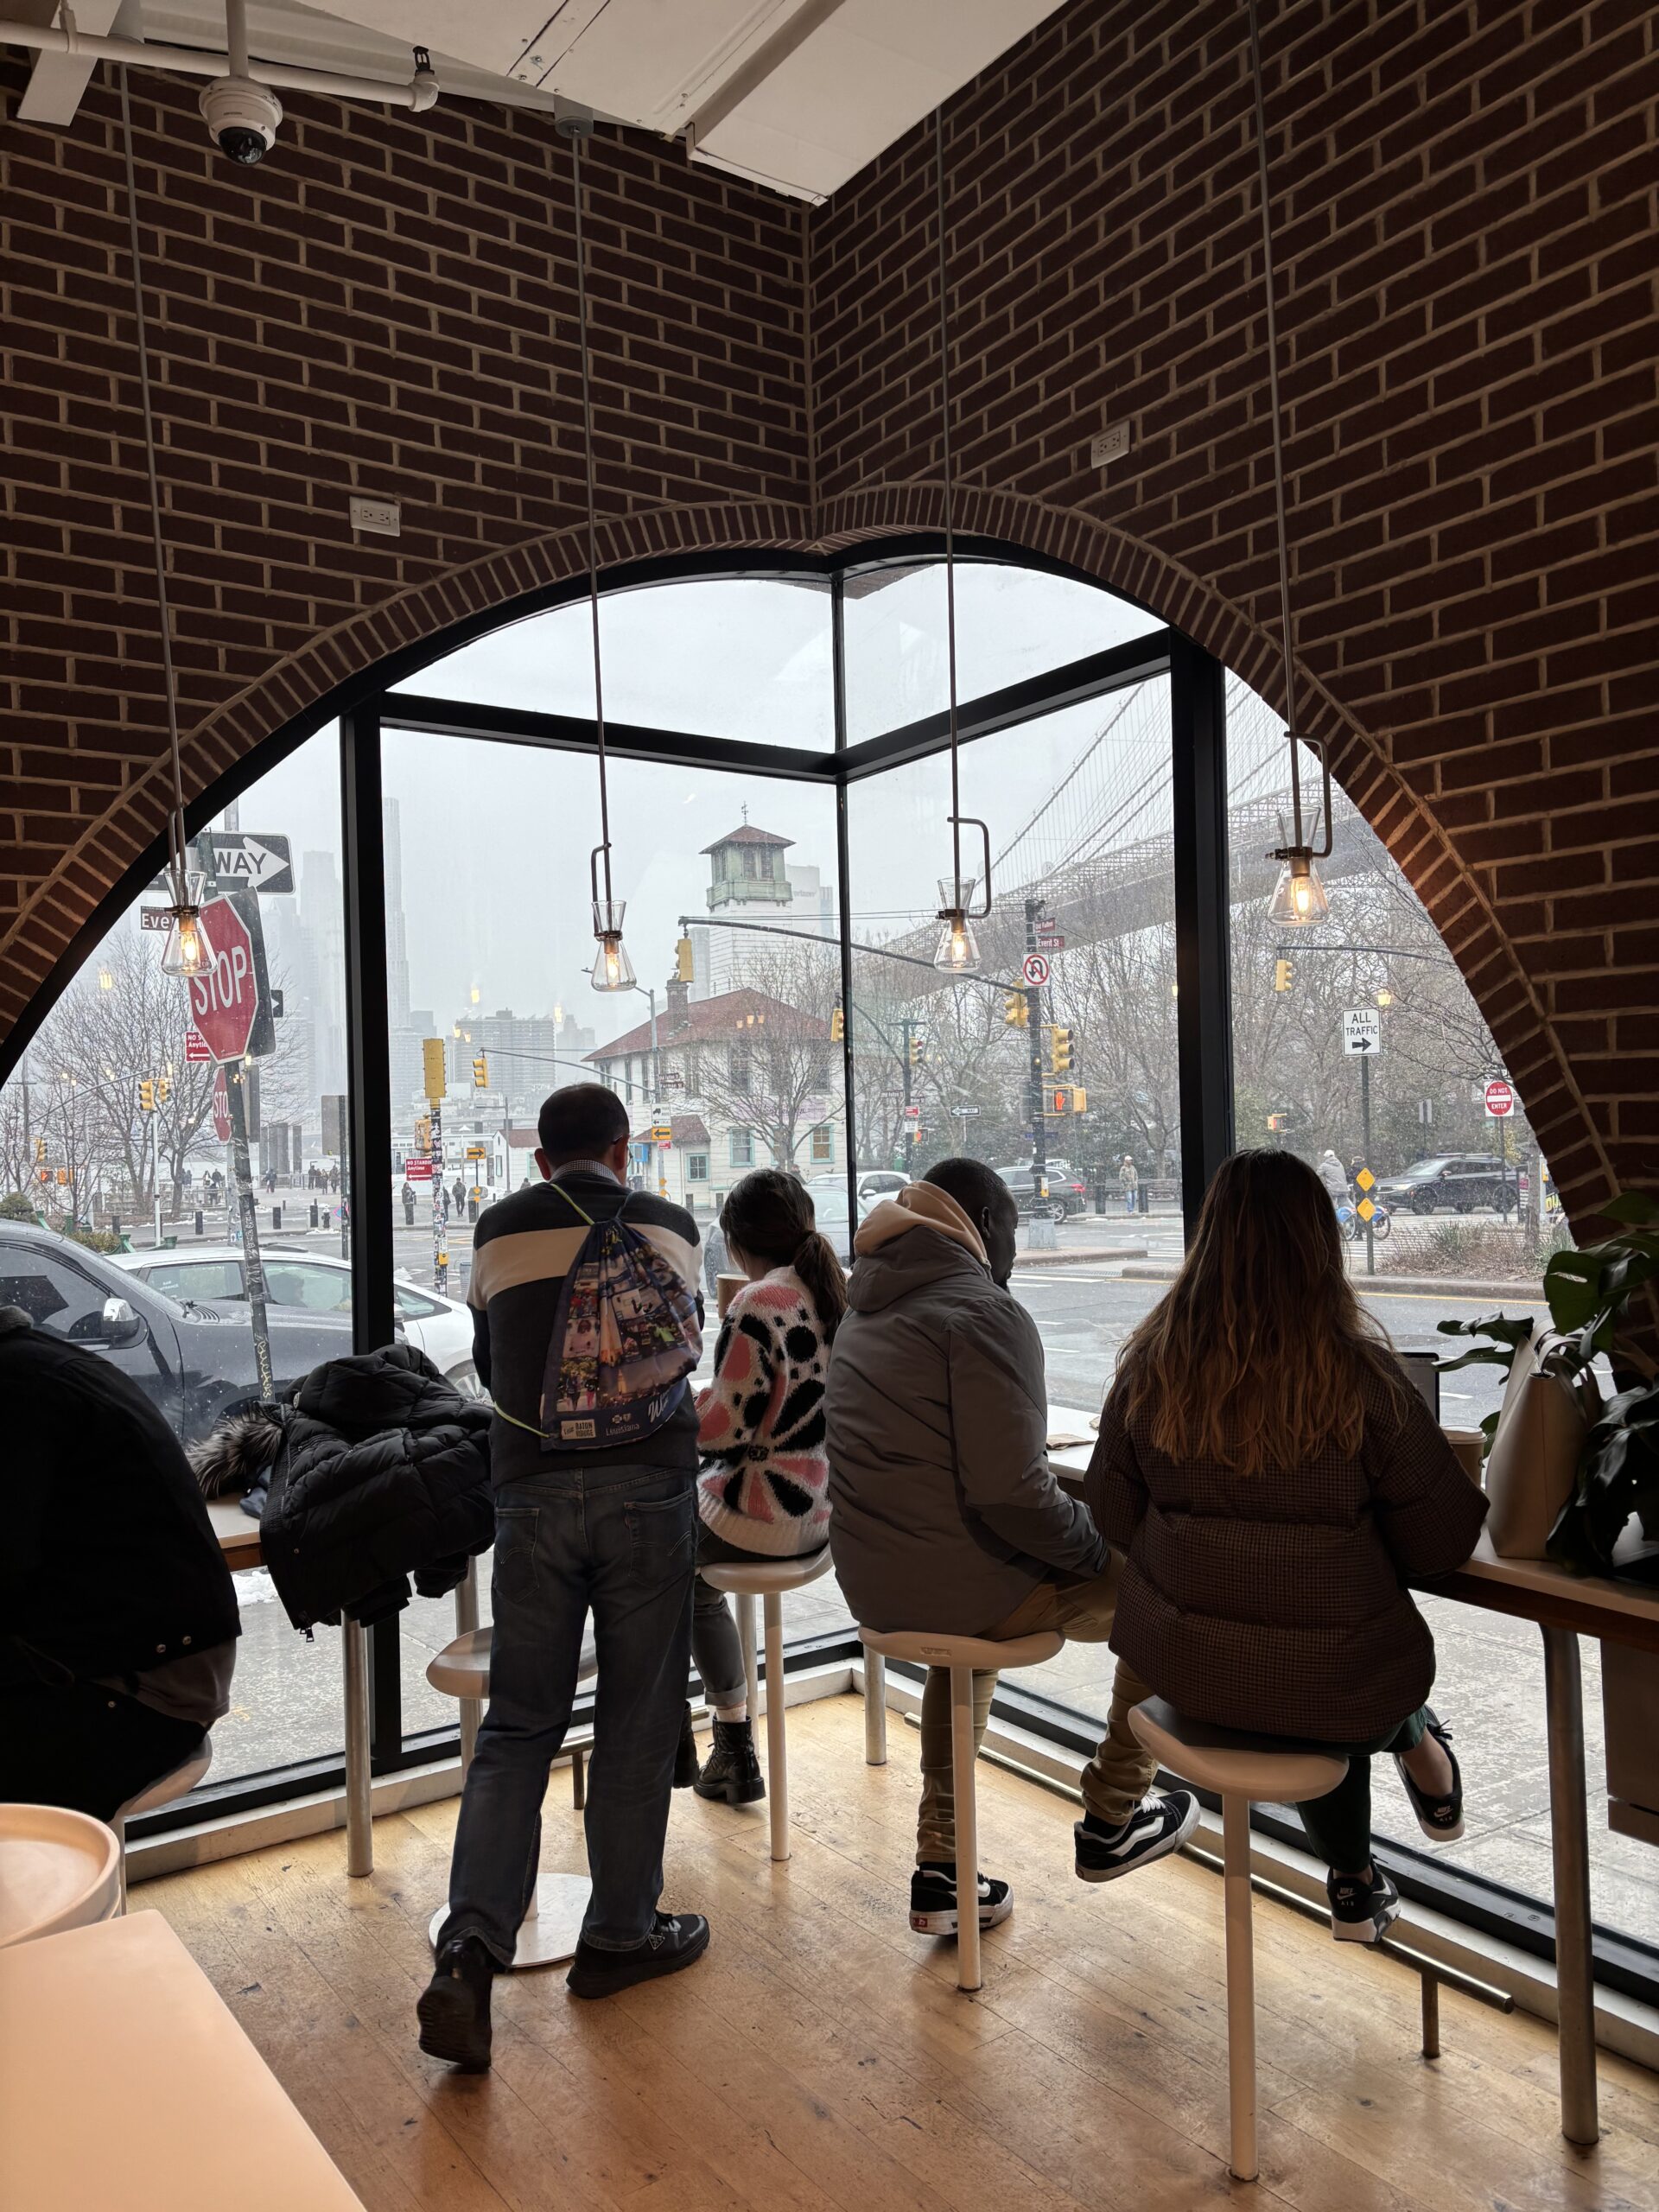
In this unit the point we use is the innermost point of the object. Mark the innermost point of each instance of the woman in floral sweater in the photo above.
(764, 1490)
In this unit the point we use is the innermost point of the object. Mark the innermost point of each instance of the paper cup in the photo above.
(726, 1289)
(1469, 1445)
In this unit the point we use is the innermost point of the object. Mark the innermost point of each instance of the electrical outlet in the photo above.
(383, 516)
(1109, 445)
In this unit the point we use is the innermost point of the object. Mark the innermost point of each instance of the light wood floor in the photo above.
(820, 2058)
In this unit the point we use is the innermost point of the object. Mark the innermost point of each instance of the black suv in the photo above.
(1064, 1195)
(1457, 1182)
(194, 1359)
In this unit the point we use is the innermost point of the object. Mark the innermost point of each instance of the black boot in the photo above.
(687, 1765)
(455, 2007)
(732, 1771)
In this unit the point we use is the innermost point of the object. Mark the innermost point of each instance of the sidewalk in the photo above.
(1517, 1294)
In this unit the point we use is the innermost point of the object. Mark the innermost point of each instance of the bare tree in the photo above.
(778, 1073)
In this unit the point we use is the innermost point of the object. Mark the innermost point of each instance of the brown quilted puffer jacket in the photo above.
(1277, 1602)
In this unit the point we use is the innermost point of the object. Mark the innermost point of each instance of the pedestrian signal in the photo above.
(1079, 1099)
(480, 1071)
(1016, 1010)
(1281, 975)
(838, 1026)
(146, 1097)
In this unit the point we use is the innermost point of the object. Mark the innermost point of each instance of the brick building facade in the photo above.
(1469, 233)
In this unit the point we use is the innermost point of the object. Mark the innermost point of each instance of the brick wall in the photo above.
(386, 306)
(1467, 202)
(1466, 198)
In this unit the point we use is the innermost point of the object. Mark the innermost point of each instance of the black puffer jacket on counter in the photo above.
(383, 1471)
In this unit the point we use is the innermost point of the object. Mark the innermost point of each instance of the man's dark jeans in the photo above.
(620, 1541)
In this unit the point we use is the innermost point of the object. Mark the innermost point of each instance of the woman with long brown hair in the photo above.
(1277, 1482)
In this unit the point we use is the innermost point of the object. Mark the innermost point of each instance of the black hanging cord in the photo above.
(577, 136)
(1268, 287)
(949, 533)
(176, 827)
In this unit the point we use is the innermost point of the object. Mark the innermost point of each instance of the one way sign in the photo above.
(1361, 1030)
(244, 862)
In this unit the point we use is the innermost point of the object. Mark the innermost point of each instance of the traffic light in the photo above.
(1016, 1010)
(40, 1147)
(685, 962)
(146, 1097)
(480, 1071)
(1281, 975)
(915, 1048)
(163, 1089)
(1059, 1045)
(838, 1026)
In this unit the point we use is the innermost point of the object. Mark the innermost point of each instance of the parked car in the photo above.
(1455, 1182)
(194, 1357)
(1060, 1197)
(314, 1282)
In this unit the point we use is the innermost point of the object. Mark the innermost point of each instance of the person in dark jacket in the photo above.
(118, 1615)
(581, 1525)
(945, 1514)
(380, 1471)
(1277, 1482)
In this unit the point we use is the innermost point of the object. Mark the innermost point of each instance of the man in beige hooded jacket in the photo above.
(945, 1514)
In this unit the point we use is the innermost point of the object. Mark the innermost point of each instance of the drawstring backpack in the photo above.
(625, 1335)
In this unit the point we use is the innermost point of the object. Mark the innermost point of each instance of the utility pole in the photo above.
(1365, 1145)
(1034, 1028)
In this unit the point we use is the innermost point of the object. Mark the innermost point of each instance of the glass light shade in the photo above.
(1299, 898)
(958, 951)
(613, 969)
(187, 951)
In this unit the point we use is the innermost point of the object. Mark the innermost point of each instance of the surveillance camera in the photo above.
(242, 118)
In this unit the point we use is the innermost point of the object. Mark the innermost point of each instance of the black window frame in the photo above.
(366, 706)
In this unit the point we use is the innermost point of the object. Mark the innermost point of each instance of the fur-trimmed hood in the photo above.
(237, 1456)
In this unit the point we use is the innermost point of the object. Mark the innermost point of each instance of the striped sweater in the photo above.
(766, 1480)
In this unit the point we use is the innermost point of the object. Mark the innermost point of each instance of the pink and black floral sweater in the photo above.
(765, 1483)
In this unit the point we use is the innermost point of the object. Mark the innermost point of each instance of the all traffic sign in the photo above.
(1361, 1032)
(224, 1001)
(1500, 1099)
(1035, 970)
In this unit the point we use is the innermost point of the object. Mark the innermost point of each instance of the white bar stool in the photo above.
(768, 1579)
(558, 1902)
(58, 1870)
(1243, 1770)
(171, 1787)
(965, 1656)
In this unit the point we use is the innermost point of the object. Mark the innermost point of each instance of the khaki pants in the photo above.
(1115, 1780)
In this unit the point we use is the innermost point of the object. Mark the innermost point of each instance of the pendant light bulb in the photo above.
(187, 950)
(957, 953)
(1299, 898)
(613, 969)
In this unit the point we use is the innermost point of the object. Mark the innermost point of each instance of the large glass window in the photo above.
(1058, 1062)
(120, 1188)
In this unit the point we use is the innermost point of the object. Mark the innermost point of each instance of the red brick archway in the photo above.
(119, 837)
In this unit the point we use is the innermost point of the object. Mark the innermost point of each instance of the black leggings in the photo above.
(86, 1747)
(1340, 1826)
(716, 1648)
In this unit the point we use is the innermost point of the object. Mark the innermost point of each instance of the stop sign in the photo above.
(224, 1000)
(221, 1107)
(1500, 1099)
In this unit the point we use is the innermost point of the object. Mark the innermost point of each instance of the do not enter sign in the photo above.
(225, 1001)
(1500, 1099)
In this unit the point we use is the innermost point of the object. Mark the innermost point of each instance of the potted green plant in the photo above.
(1589, 1292)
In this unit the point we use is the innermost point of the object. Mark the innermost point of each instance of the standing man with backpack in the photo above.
(586, 1323)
